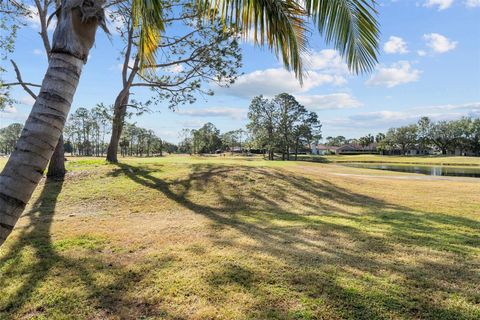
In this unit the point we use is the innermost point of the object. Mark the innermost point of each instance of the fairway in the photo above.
(183, 237)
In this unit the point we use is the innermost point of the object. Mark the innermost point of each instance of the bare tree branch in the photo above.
(25, 85)
(42, 14)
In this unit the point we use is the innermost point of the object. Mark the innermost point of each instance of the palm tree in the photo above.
(281, 25)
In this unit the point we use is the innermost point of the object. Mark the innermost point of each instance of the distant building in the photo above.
(462, 152)
(321, 149)
(357, 149)
(351, 148)
(419, 152)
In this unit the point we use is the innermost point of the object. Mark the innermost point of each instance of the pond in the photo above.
(421, 169)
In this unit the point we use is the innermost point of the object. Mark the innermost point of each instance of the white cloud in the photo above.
(324, 68)
(421, 53)
(472, 107)
(445, 4)
(166, 134)
(397, 74)
(472, 3)
(192, 123)
(119, 66)
(233, 113)
(270, 82)
(439, 43)
(327, 60)
(395, 45)
(27, 100)
(37, 52)
(11, 113)
(384, 115)
(10, 110)
(441, 4)
(329, 101)
(175, 68)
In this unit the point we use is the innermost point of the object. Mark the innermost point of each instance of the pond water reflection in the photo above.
(421, 169)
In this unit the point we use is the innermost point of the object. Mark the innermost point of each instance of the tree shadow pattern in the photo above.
(287, 225)
(49, 264)
(251, 213)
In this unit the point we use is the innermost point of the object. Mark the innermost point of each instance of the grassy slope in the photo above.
(205, 238)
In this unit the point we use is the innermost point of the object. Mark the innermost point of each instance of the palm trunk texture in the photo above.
(72, 40)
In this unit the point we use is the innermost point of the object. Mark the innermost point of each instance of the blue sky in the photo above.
(429, 65)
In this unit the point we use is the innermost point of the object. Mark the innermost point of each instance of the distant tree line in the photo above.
(86, 130)
(276, 126)
(364, 141)
(282, 125)
(460, 136)
(208, 140)
(136, 141)
(456, 136)
(87, 134)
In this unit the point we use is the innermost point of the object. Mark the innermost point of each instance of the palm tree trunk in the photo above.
(38, 140)
(57, 162)
(119, 112)
(72, 40)
(56, 167)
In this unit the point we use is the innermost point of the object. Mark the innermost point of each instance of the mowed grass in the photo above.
(237, 238)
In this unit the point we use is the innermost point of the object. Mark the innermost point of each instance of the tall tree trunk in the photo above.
(57, 162)
(56, 167)
(120, 109)
(72, 40)
(38, 140)
(296, 150)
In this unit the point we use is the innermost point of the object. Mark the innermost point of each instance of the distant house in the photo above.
(357, 149)
(462, 152)
(321, 149)
(409, 152)
(418, 152)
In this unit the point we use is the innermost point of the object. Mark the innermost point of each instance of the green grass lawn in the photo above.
(242, 238)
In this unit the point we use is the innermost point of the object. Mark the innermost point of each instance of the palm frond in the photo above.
(148, 18)
(280, 24)
(351, 26)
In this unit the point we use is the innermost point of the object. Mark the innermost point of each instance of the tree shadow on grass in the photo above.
(285, 216)
(60, 282)
(287, 223)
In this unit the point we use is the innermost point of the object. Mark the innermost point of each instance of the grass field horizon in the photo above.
(442, 160)
(182, 237)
